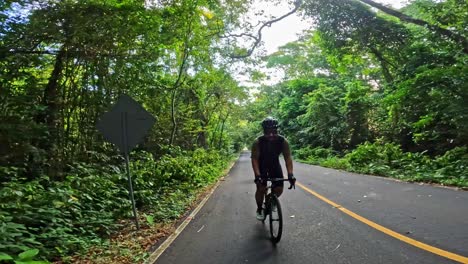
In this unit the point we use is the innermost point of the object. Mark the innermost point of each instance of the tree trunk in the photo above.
(50, 101)
(383, 64)
(50, 117)
(181, 72)
(221, 133)
(213, 136)
(173, 116)
(51, 96)
(201, 139)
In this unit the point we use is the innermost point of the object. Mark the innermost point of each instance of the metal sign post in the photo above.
(124, 132)
(125, 126)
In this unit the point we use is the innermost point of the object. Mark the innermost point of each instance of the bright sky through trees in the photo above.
(286, 30)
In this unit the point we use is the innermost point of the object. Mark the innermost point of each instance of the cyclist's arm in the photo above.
(287, 157)
(254, 157)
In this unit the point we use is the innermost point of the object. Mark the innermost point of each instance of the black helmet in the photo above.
(269, 123)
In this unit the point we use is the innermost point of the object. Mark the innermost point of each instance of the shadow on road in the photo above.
(258, 247)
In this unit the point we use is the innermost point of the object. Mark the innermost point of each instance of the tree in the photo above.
(458, 38)
(68, 61)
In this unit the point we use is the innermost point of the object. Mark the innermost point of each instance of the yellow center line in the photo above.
(387, 231)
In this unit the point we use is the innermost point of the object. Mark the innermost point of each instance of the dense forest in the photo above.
(367, 89)
(367, 93)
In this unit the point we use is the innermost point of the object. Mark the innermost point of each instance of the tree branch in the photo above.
(439, 30)
(258, 38)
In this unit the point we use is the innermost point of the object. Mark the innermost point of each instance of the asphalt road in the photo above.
(226, 231)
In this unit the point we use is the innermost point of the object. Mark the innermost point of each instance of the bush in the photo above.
(371, 158)
(336, 163)
(64, 217)
(311, 154)
(389, 160)
(303, 153)
(452, 167)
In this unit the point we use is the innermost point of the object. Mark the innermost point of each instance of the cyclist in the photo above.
(265, 162)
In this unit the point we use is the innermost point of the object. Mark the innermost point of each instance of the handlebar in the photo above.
(278, 180)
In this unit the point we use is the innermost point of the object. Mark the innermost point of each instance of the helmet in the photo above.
(269, 123)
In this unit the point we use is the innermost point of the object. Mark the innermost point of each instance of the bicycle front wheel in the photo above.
(276, 219)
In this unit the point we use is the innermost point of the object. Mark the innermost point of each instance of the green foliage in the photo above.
(360, 76)
(357, 106)
(309, 153)
(181, 175)
(149, 219)
(14, 237)
(375, 158)
(431, 104)
(452, 167)
(387, 159)
(335, 162)
(64, 63)
(61, 218)
(324, 123)
(386, 91)
(173, 202)
(25, 257)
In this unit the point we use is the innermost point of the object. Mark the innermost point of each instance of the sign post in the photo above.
(125, 126)
(124, 131)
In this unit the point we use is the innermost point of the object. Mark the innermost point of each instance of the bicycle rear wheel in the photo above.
(276, 219)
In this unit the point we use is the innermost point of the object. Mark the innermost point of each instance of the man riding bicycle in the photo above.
(265, 162)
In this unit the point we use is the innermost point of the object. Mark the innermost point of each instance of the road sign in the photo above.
(125, 125)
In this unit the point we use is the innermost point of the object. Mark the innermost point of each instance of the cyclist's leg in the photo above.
(277, 188)
(260, 194)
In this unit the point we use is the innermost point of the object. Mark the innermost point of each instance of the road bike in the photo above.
(272, 209)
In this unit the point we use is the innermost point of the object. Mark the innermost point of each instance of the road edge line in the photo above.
(160, 250)
(408, 240)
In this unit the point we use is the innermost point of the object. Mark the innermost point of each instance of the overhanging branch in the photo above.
(258, 37)
(439, 30)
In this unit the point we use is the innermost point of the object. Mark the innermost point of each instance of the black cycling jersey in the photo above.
(267, 153)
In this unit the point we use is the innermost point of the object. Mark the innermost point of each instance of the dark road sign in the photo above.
(125, 124)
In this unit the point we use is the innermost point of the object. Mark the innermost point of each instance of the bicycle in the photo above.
(272, 208)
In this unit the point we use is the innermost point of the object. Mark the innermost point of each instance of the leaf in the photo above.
(29, 254)
(207, 13)
(58, 204)
(32, 262)
(150, 219)
(4, 256)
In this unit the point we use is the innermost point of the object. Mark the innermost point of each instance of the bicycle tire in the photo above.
(275, 216)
